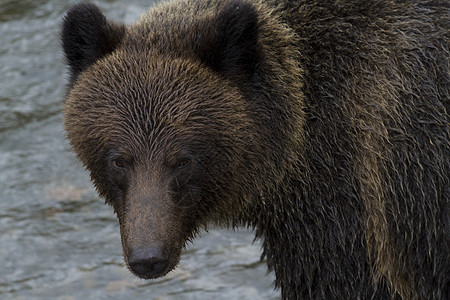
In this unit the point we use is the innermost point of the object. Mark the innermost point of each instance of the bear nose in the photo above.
(148, 262)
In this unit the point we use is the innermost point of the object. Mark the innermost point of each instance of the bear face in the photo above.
(146, 154)
(164, 129)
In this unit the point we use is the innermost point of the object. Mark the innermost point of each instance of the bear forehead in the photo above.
(155, 83)
(136, 94)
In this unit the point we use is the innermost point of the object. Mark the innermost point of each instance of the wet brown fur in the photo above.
(324, 125)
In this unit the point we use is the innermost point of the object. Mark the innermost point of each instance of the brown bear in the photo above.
(324, 125)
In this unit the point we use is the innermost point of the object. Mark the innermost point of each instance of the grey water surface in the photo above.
(57, 238)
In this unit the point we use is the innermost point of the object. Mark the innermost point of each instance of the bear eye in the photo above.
(118, 163)
(183, 162)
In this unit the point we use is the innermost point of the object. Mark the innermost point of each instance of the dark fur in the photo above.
(322, 124)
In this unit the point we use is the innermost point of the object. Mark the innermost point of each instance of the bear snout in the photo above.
(148, 263)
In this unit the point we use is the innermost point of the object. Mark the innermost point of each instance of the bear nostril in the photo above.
(148, 263)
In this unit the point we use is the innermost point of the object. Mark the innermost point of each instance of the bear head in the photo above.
(157, 113)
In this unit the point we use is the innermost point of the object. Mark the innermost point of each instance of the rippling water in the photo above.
(57, 238)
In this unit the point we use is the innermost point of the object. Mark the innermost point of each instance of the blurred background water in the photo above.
(57, 238)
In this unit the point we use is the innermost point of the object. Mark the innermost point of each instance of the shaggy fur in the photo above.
(322, 124)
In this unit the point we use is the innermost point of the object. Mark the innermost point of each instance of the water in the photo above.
(57, 238)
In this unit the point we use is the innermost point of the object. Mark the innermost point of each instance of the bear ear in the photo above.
(233, 51)
(86, 36)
